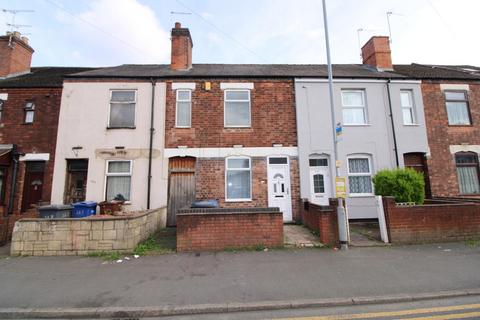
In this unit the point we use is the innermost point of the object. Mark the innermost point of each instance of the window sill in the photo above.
(412, 125)
(177, 127)
(27, 123)
(114, 128)
(460, 125)
(357, 125)
(238, 200)
(238, 127)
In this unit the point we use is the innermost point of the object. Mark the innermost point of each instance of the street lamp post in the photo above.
(341, 214)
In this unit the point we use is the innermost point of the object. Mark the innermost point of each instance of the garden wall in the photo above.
(322, 219)
(58, 237)
(219, 229)
(434, 222)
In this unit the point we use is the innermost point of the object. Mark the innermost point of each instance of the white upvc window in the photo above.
(122, 109)
(29, 112)
(237, 111)
(118, 179)
(238, 179)
(408, 111)
(360, 175)
(354, 107)
(183, 113)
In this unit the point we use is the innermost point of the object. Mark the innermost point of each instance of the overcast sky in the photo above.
(113, 32)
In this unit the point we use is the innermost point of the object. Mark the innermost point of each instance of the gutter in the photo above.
(150, 149)
(395, 148)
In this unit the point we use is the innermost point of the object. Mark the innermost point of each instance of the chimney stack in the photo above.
(376, 53)
(15, 54)
(182, 44)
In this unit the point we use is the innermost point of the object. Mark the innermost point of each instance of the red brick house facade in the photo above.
(451, 98)
(28, 131)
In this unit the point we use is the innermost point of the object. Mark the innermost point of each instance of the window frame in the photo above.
(238, 169)
(119, 174)
(412, 107)
(109, 126)
(358, 174)
(225, 108)
(27, 110)
(465, 93)
(476, 165)
(364, 107)
(176, 107)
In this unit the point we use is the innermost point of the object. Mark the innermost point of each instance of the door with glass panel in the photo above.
(320, 183)
(279, 186)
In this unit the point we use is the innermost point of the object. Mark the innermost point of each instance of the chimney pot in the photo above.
(181, 56)
(376, 53)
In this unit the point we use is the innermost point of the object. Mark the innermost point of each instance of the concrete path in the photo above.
(244, 277)
(299, 237)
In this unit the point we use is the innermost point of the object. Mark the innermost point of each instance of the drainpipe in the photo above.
(15, 155)
(150, 150)
(393, 123)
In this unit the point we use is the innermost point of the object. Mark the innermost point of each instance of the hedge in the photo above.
(406, 185)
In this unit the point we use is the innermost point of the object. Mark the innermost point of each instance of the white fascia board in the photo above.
(236, 85)
(226, 152)
(183, 85)
(35, 157)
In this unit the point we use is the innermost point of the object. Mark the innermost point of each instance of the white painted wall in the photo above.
(83, 123)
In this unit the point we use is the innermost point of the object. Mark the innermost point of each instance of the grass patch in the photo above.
(162, 242)
(472, 243)
(107, 256)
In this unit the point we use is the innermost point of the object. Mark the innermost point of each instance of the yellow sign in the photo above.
(340, 187)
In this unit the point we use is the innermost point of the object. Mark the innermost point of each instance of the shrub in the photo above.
(406, 185)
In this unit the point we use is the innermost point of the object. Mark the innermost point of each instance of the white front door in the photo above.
(279, 194)
(320, 183)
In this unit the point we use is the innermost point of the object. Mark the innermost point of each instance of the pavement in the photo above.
(240, 281)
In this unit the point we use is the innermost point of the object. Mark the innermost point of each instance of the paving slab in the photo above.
(299, 236)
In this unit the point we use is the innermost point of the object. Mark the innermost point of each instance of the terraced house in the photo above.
(29, 108)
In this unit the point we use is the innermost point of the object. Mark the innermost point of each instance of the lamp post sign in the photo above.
(340, 187)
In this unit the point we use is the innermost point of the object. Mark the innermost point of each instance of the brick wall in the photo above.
(60, 237)
(431, 223)
(220, 229)
(210, 183)
(272, 114)
(441, 163)
(38, 137)
(322, 219)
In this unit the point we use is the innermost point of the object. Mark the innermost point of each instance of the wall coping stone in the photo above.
(96, 218)
(227, 211)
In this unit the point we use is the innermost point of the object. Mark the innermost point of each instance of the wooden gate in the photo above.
(181, 186)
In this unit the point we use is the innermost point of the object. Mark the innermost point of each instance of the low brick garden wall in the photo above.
(219, 229)
(58, 237)
(322, 219)
(437, 221)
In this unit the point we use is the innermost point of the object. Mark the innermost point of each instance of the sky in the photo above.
(98, 33)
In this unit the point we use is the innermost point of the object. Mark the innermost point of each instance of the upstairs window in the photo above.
(238, 179)
(122, 109)
(353, 103)
(29, 112)
(360, 176)
(406, 99)
(184, 109)
(457, 108)
(237, 108)
(119, 176)
(467, 172)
